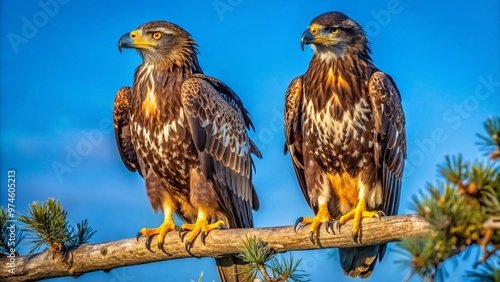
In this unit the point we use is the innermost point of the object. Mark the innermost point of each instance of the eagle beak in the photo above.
(307, 38)
(314, 35)
(124, 42)
(133, 40)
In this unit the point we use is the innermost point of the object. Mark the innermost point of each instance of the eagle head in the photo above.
(333, 35)
(159, 41)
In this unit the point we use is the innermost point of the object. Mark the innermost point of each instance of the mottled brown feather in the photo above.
(177, 138)
(121, 121)
(293, 132)
(218, 123)
(344, 122)
(390, 136)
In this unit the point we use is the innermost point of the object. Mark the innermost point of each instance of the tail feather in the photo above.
(230, 269)
(359, 261)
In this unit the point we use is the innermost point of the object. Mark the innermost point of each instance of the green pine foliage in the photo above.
(263, 260)
(81, 234)
(463, 209)
(46, 224)
(288, 269)
(9, 238)
(490, 143)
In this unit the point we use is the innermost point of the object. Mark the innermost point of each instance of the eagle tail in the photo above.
(359, 261)
(231, 269)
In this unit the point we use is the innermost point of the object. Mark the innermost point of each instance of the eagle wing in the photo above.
(218, 124)
(121, 121)
(293, 132)
(390, 137)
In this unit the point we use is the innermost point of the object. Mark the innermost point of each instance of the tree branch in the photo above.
(106, 256)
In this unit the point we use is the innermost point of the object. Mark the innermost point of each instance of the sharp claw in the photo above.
(161, 246)
(327, 225)
(380, 214)
(202, 237)
(338, 226)
(355, 237)
(299, 220)
(331, 226)
(187, 245)
(220, 227)
(311, 237)
(138, 235)
(148, 243)
(182, 235)
(188, 249)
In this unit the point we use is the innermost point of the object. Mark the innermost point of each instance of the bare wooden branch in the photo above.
(106, 256)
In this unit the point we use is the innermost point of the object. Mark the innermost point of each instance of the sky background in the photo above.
(60, 68)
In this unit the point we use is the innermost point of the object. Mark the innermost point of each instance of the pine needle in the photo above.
(46, 224)
(457, 207)
(6, 242)
(261, 258)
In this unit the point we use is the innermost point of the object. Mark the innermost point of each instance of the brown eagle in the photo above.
(345, 131)
(185, 133)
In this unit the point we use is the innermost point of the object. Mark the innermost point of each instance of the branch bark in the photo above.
(106, 256)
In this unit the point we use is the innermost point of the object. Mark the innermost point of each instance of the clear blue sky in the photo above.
(60, 69)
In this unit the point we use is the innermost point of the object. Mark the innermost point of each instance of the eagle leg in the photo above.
(322, 216)
(200, 227)
(167, 226)
(358, 214)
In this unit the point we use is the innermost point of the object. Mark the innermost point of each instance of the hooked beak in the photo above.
(307, 38)
(314, 35)
(133, 40)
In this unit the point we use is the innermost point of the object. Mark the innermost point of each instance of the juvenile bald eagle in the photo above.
(186, 134)
(345, 131)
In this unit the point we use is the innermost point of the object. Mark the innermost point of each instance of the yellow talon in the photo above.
(167, 226)
(322, 216)
(200, 227)
(358, 214)
(161, 231)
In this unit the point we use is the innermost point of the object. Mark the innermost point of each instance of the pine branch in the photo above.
(106, 256)
(9, 239)
(454, 170)
(256, 252)
(261, 257)
(46, 224)
(288, 269)
(462, 209)
(81, 234)
(490, 143)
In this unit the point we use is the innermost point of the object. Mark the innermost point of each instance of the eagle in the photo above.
(345, 132)
(186, 134)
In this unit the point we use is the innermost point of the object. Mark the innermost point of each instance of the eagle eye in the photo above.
(335, 30)
(157, 35)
